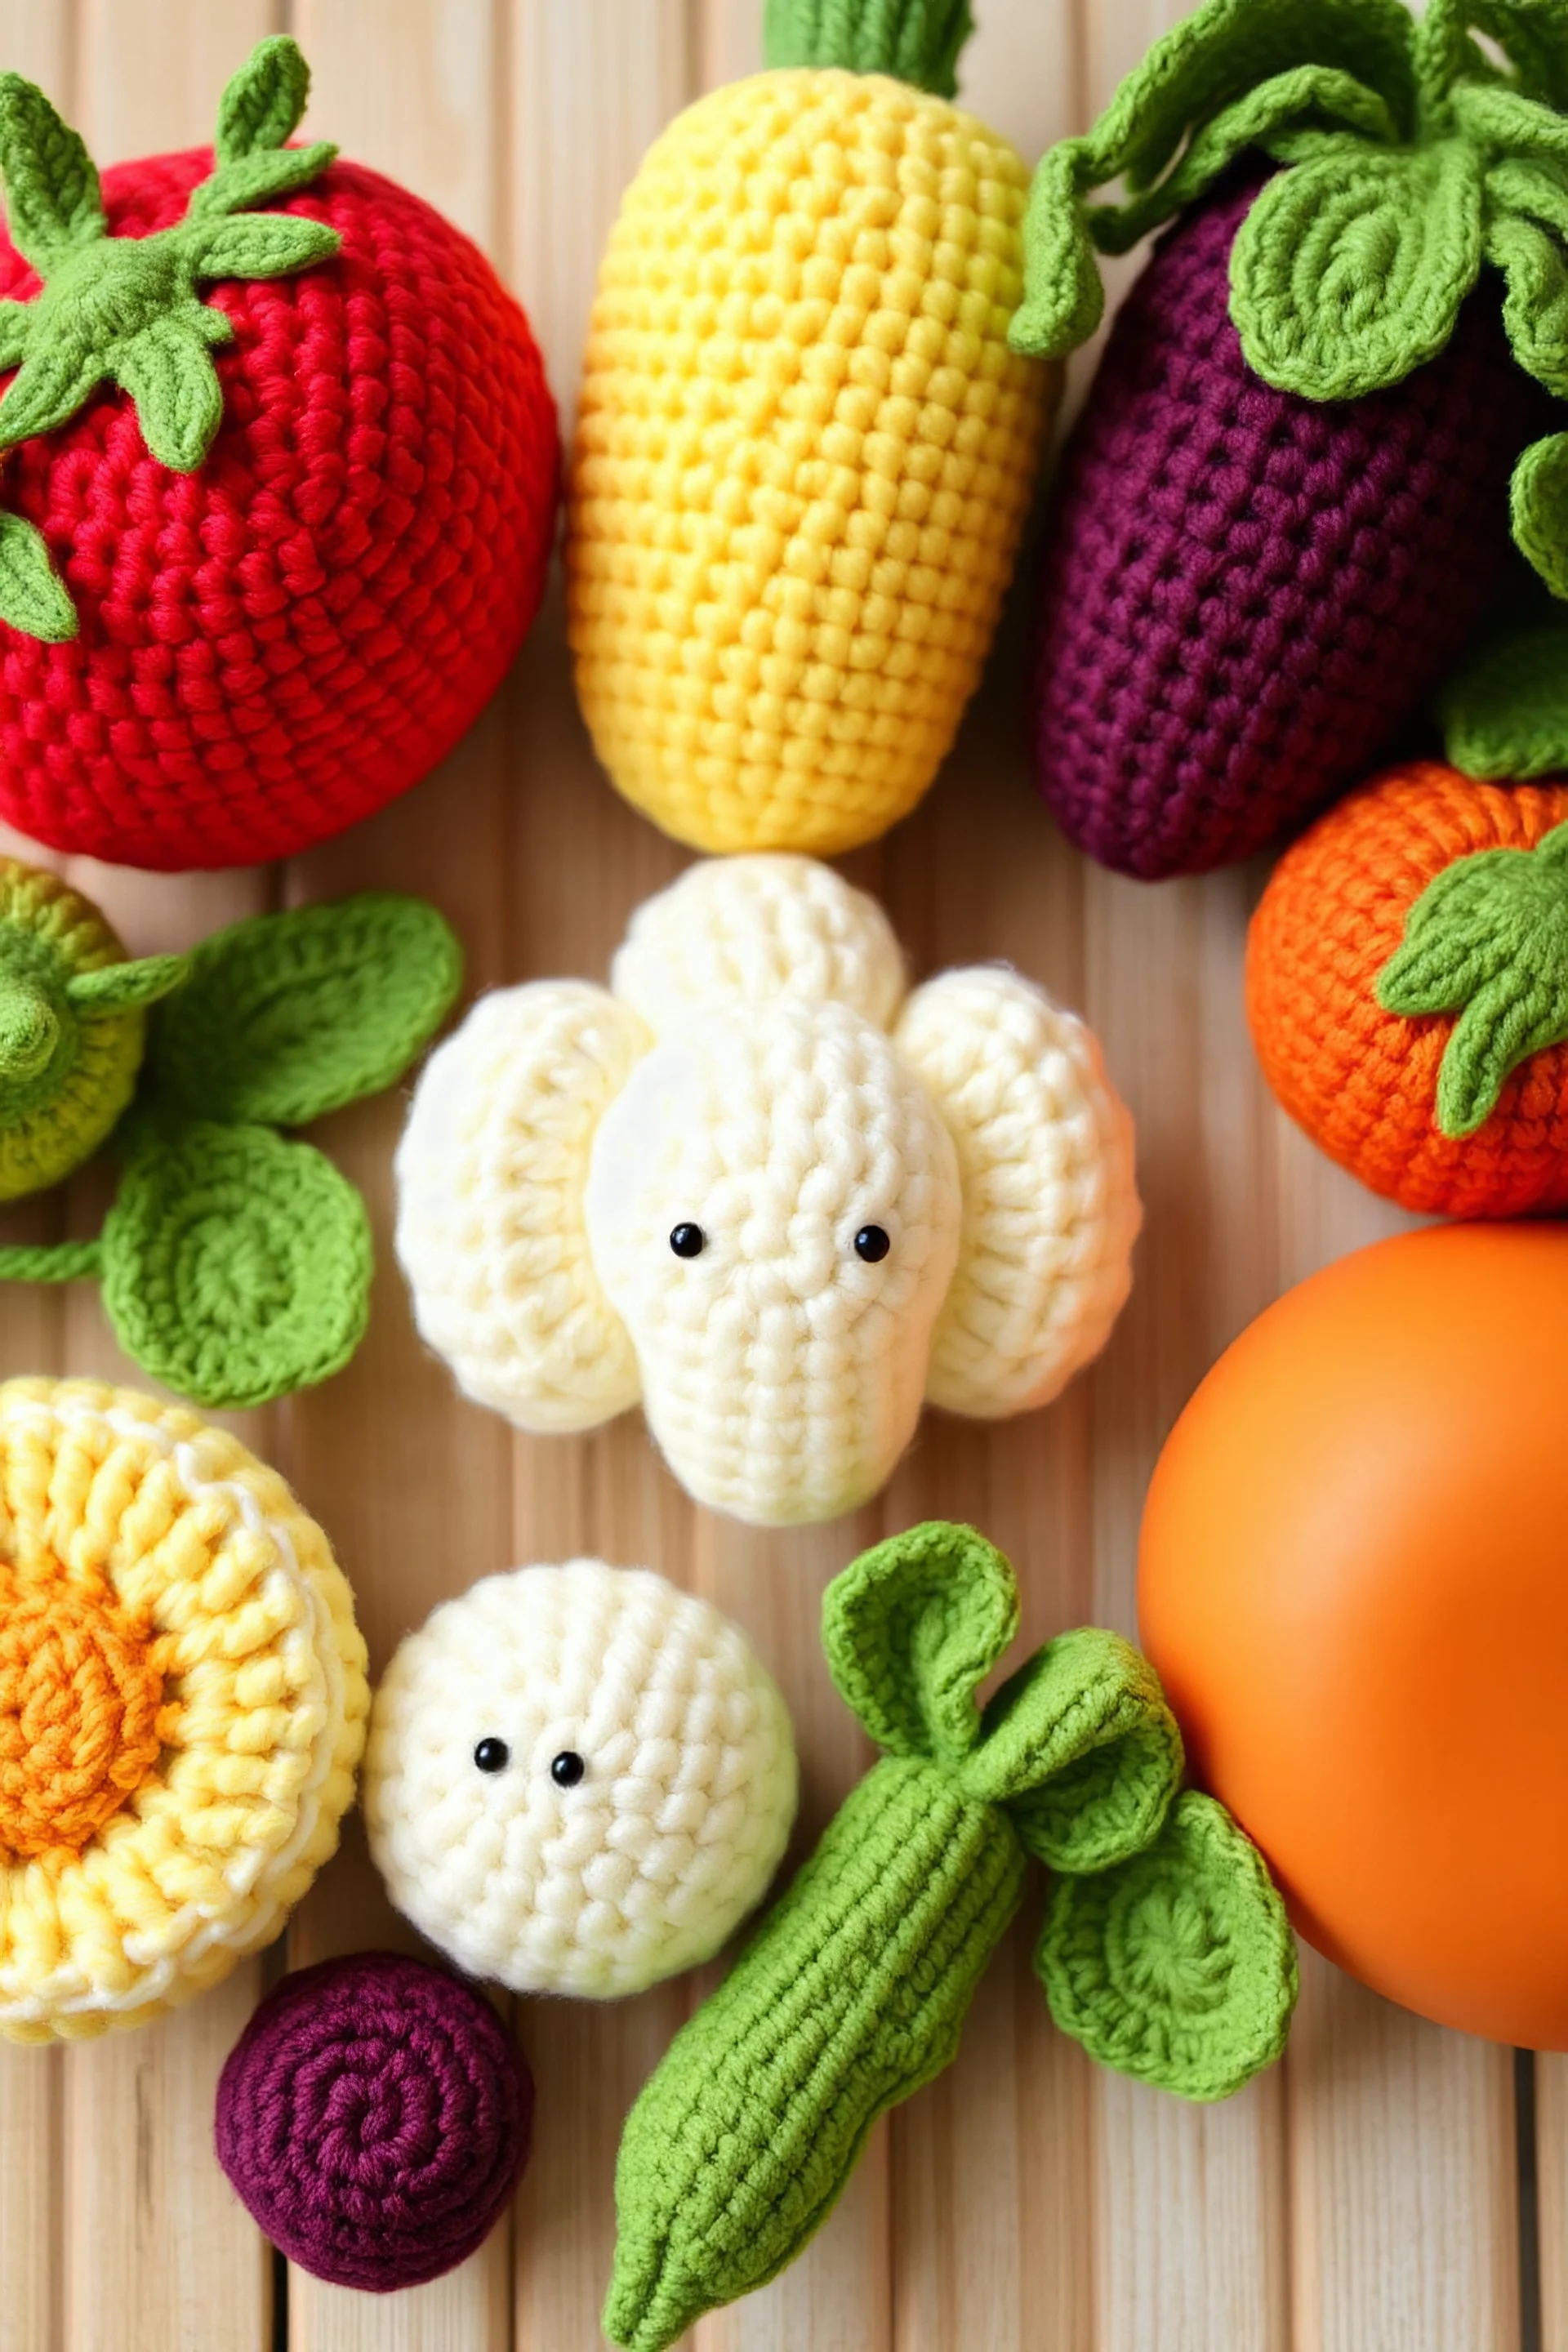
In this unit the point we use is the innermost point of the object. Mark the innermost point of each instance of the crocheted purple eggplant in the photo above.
(1290, 496)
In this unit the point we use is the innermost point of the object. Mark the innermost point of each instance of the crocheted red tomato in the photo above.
(283, 489)
(1289, 496)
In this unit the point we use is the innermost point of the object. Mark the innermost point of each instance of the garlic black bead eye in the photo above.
(687, 1240)
(872, 1244)
(567, 1769)
(492, 1755)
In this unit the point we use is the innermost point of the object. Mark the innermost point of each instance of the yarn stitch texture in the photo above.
(804, 452)
(1354, 1020)
(852, 1992)
(1504, 710)
(373, 2119)
(235, 1266)
(648, 1861)
(183, 1702)
(753, 1074)
(272, 646)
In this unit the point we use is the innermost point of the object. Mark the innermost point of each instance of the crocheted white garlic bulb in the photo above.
(757, 1188)
(579, 1779)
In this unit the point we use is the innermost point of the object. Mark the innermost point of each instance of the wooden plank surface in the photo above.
(1364, 2199)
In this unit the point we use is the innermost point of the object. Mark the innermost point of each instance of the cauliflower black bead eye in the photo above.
(687, 1240)
(567, 1769)
(492, 1755)
(872, 1244)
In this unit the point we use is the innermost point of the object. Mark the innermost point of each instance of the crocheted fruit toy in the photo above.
(1351, 1581)
(1288, 501)
(182, 1706)
(235, 1267)
(579, 1779)
(1408, 988)
(756, 1187)
(373, 2119)
(804, 452)
(1165, 1949)
(263, 554)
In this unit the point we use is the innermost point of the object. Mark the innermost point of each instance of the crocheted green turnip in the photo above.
(1165, 1949)
(236, 1264)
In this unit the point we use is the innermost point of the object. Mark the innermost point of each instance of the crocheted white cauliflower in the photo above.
(579, 1779)
(758, 1188)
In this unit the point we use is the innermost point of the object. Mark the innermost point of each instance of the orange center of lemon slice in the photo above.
(80, 1696)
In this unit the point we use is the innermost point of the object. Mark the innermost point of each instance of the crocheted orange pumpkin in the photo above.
(1407, 990)
(280, 489)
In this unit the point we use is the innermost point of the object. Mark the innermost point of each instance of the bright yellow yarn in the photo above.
(804, 457)
(183, 1703)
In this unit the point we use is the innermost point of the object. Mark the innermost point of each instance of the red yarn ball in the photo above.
(373, 2119)
(276, 645)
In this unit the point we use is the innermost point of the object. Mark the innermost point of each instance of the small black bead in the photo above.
(687, 1240)
(567, 1769)
(492, 1755)
(872, 1244)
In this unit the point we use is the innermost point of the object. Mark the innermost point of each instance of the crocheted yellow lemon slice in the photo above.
(183, 1702)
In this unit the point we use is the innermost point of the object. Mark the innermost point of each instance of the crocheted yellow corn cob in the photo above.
(805, 451)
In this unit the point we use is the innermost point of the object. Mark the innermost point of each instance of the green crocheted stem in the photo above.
(850, 1996)
(1504, 713)
(1178, 1967)
(1487, 940)
(916, 41)
(124, 310)
(51, 1261)
(1409, 157)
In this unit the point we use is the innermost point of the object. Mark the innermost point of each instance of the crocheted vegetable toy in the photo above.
(183, 1702)
(283, 492)
(804, 452)
(1408, 988)
(579, 1779)
(1351, 1581)
(235, 1266)
(758, 1188)
(1288, 501)
(373, 2119)
(1165, 1949)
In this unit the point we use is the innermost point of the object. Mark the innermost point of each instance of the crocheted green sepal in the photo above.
(286, 1017)
(1177, 1967)
(1487, 940)
(124, 310)
(1409, 157)
(917, 41)
(1504, 712)
(235, 1266)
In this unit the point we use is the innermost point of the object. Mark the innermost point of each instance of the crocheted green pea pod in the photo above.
(235, 1264)
(853, 1991)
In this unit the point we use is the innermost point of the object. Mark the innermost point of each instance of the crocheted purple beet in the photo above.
(1243, 594)
(373, 2119)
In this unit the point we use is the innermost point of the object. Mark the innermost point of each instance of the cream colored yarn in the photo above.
(641, 1867)
(183, 1703)
(741, 1079)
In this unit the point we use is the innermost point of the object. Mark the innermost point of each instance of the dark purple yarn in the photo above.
(1244, 595)
(373, 2119)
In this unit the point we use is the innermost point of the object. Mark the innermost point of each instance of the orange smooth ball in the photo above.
(1353, 1580)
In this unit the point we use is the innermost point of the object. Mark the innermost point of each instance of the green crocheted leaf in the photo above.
(1504, 122)
(1535, 39)
(167, 369)
(267, 246)
(50, 386)
(1081, 1748)
(1349, 269)
(911, 1627)
(1177, 1967)
(288, 1016)
(1232, 73)
(1535, 306)
(1537, 501)
(117, 987)
(236, 1267)
(259, 179)
(33, 596)
(14, 321)
(917, 41)
(1504, 713)
(262, 103)
(53, 201)
(1487, 939)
